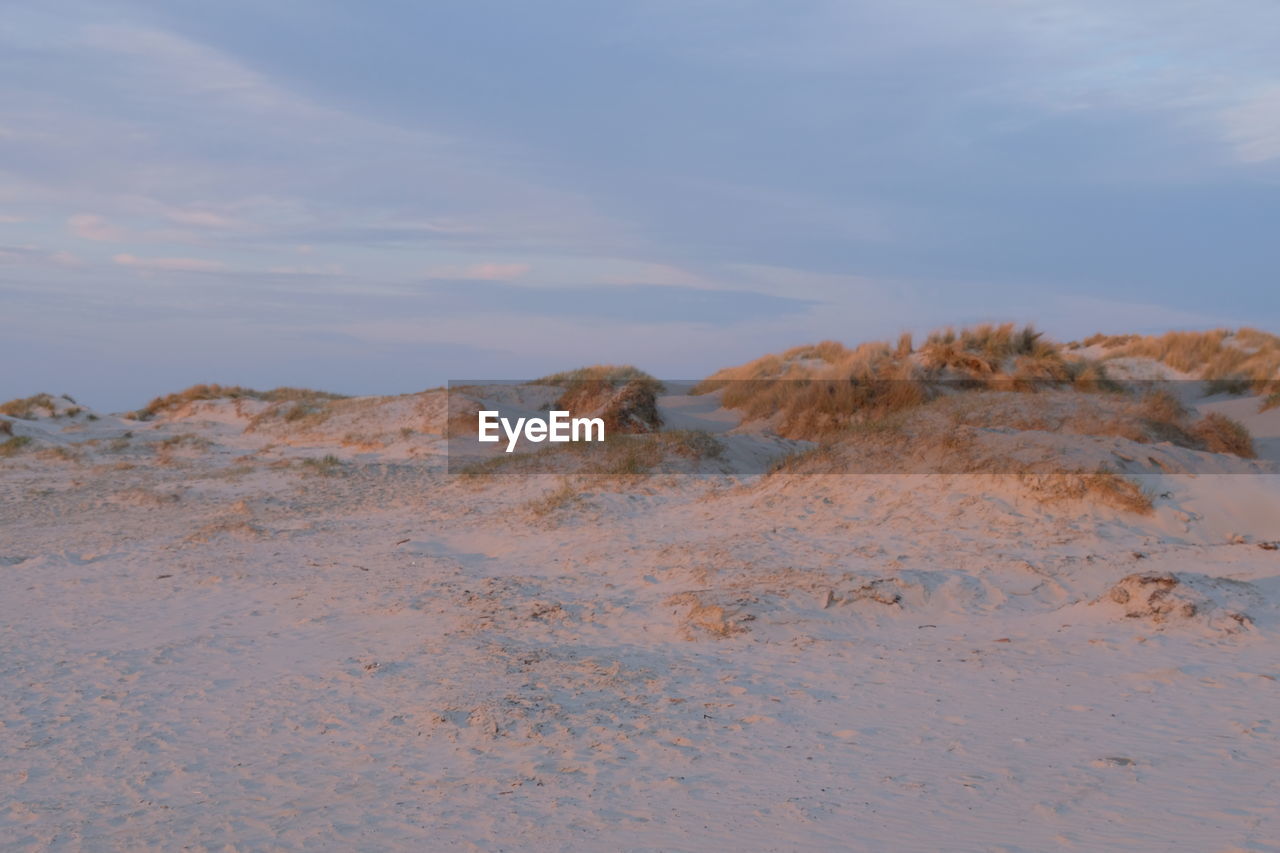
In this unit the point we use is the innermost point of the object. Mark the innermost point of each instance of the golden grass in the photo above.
(624, 397)
(230, 392)
(1220, 434)
(1236, 361)
(27, 408)
(614, 374)
(819, 391)
(1109, 340)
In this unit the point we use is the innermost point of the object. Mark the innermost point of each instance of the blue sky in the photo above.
(378, 197)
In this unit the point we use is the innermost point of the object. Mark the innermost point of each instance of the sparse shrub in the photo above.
(12, 446)
(174, 442)
(62, 454)
(6, 428)
(1221, 434)
(566, 495)
(327, 464)
(814, 460)
(492, 465)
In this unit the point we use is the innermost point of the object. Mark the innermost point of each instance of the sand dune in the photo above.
(229, 631)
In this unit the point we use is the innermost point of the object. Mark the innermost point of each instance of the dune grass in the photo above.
(1102, 486)
(327, 464)
(28, 408)
(1220, 434)
(817, 391)
(230, 392)
(614, 374)
(1238, 361)
(623, 396)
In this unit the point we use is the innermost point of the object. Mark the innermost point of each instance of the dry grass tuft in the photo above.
(1220, 434)
(1103, 486)
(61, 454)
(1110, 341)
(191, 440)
(327, 464)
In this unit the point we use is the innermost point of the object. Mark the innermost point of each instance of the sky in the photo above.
(381, 197)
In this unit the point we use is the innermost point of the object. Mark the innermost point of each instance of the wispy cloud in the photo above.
(831, 169)
(487, 271)
(91, 226)
(169, 264)
(1253, 127)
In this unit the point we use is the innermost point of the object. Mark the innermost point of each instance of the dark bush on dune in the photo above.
(625, 398)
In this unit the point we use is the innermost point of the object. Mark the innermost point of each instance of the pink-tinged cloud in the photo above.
(481, 272)
(168, 264)
(202, 219)
(91, 226)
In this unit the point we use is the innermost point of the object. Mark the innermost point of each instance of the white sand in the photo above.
(220, 648)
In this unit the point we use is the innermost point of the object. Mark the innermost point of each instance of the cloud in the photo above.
(6, 219)
(631, 303)
(1252, 128)
(479, 272)
(169, 264)
(35, 255)
(202, 219)
(91, 226)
